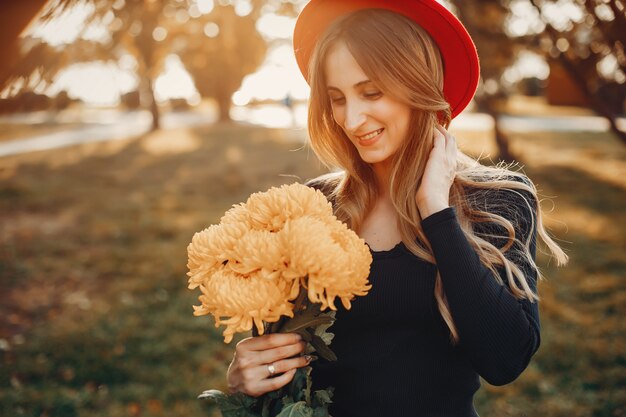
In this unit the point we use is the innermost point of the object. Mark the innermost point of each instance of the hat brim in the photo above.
(461, 66)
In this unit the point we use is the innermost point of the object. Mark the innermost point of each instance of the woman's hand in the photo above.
(433, 193)
(249, 372)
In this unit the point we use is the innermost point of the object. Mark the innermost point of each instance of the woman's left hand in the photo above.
(433, 193)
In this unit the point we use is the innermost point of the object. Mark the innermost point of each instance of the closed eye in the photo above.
(373, 95)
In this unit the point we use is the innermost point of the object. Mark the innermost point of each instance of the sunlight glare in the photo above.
(170, 141)
(194, 11)
(271, 115)
(159, 33)
(65, 28)
(205, 6)
(608, 66)
(241, 99)
(175, 82)
(523, 20)
(527, 65)
(278, 77)
(128, 62)
(243, 8)
(211, 29)
(273, 83)
(95, 83)
(562, 13)
(273, 26)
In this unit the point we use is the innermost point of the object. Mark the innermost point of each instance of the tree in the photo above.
(227, 48)
(485, 20)
(218, 48)
(132, 28)
(582, 45)
(13, 19)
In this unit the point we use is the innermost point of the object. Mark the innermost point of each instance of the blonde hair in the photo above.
(404, 62)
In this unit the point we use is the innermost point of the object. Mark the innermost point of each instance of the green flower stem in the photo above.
(300, 303)
(265, 410)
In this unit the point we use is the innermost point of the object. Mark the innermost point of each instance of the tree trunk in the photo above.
(223, 103)
(489, 106)
(154, 108)
(502, 140)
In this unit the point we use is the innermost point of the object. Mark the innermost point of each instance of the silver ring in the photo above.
(271, 369)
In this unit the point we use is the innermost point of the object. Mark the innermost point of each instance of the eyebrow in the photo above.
(360, 83)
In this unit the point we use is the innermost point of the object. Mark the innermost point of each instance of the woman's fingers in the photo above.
(269, 341)
(282, 352)
(272, 384)
(268, 349)
(257, 380)
(450, 143)
(440, 137)
(281, 366)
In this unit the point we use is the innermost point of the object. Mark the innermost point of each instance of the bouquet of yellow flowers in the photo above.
(275, 263)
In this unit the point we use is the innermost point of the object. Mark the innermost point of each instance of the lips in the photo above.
(370, 138)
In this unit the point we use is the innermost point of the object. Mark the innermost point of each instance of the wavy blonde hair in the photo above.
(405, 63)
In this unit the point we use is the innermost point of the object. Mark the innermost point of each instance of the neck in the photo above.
(382, 170)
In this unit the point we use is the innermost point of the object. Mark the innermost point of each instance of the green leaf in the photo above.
(322, 330)
(321, 399)
(323, 396)
(315, 308)
(309, 383)
(305, 336)
(298, 384)
(321, 412)
(272, 399)
(322, 349)
(306, 319)
(273, 395)
(287, 400)
(299, 409)
(235, 405)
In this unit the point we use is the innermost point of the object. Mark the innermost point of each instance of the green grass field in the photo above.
(97, 319)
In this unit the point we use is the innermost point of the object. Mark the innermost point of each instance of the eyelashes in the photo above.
(370, 96)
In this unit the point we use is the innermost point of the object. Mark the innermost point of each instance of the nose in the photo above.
(355, 116)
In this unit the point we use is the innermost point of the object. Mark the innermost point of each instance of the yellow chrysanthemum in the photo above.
(251, 265)
(270, 210)
(244, 300)
(334, 260)
(210, 248)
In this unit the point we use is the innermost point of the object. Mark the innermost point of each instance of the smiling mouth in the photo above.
(370, 135)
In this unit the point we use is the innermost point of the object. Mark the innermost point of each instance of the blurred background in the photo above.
(128, 125)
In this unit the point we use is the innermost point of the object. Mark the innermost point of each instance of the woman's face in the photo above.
(375, 123)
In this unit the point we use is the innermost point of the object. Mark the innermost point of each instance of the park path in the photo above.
(97, 127)
(106, 125)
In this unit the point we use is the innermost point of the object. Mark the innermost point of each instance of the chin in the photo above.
(373, 159)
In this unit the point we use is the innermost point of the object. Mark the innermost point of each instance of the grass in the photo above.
(97, 319)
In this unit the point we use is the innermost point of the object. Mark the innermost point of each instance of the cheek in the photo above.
(403, 119)
(337, 116)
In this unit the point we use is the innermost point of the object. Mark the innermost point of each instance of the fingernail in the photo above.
(310, 358)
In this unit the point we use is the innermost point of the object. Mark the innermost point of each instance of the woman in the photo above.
(453, 242)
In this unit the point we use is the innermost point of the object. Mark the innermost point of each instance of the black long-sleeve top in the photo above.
(395, 357)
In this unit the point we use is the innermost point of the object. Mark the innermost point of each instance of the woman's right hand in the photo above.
(249, 371)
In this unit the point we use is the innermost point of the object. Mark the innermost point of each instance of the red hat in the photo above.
(461, 69)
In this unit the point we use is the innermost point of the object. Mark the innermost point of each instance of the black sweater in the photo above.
(394, 352)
